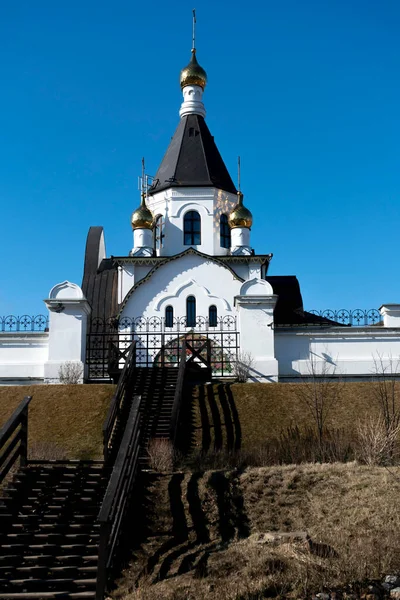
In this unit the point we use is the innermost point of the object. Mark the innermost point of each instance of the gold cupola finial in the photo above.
(240, 216)
(193, 73)
(142, 217)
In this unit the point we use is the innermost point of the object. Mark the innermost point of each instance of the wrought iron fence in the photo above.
(158, 344)
(143, 324)
(357, 317)
(351, 318)
(24, 323)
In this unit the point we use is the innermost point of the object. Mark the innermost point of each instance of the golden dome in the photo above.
(142, 217)
(240, 216)
(193, 74)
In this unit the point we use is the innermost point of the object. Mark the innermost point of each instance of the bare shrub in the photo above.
(243, 366)
(161, 455)
(320, 391)
(376, 444)
(70, 372)
(386, 391)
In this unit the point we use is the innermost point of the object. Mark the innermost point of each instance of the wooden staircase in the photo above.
(157, 388)
(60, 522)
(49, 533)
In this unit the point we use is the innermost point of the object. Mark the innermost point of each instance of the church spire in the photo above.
(193, 80)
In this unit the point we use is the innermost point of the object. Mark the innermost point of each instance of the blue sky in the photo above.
(306, 92)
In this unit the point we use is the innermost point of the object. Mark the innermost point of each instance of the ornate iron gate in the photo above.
(159, 345)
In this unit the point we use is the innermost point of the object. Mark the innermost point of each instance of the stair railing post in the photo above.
(101, 582)
(24, 438)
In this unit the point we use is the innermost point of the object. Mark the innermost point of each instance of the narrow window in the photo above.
(191, 311)
(191, 228)
(169, 316)
(159, 233)
(224, 232)
(212, 316)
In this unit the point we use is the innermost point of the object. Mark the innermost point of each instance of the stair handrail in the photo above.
(11, 451)
(176, 407)
(117, 494)
(118, 402)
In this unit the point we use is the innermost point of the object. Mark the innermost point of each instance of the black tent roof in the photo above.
(192, 159)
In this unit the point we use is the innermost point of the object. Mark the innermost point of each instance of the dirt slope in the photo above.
(210, 535)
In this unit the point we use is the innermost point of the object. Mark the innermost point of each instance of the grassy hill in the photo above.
(214, 535)
(65, 421)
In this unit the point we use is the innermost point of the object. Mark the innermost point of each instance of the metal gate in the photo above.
(159, 345)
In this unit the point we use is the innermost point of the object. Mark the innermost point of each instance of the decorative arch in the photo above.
(256, 287)
(192, 206)
(195, 288)
(160, 264)
(66, 290)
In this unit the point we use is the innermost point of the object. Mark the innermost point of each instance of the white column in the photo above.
(255, 305)
(192, 101)
(390, 314)
(240, 241)
(69, 311)
(142, 242)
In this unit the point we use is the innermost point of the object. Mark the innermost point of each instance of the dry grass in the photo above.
(247, 415)
(66, 420)
(212, 544)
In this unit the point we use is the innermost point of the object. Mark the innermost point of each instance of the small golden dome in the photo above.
(142, 217)
(193, 74)
(240, 216)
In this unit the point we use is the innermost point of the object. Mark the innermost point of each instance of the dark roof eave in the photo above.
(180, 184)
(264, 258)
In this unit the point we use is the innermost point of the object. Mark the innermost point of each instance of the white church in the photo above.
(191, 272)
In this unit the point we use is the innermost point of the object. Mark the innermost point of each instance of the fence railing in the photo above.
(11, 323)
(119, 404)
(159, 324)
(176, 408)
(157, 345)
(117, 496)
(14, 439)
(325, 318)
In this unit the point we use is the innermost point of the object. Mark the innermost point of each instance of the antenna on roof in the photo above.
(238, 173)
(145, 181)
(194, 31)
(142, 181)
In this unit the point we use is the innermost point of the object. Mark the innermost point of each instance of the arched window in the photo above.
(169, 316)
(192, 228)
(212, 316)
(159, 232)
(191, 311)
(224, 232)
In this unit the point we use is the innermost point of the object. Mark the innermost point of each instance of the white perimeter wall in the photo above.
(349, 351)
(22, 355)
